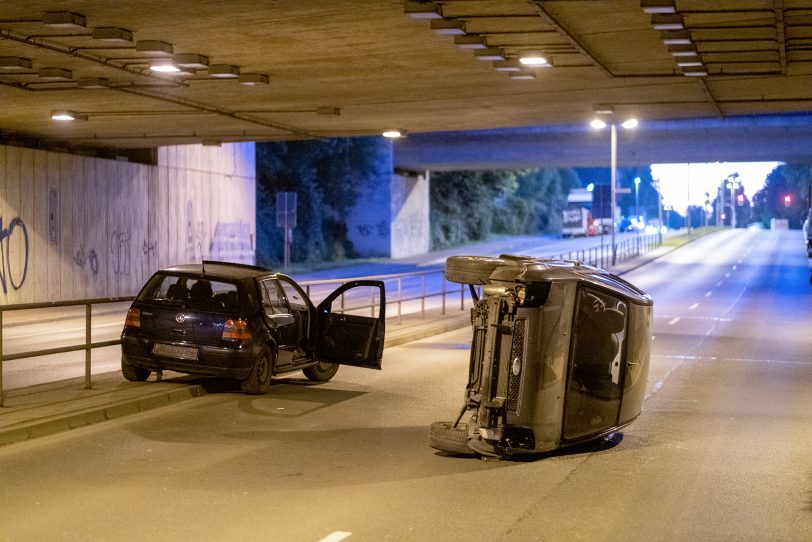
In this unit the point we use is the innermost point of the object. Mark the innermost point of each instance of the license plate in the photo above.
(172, 351)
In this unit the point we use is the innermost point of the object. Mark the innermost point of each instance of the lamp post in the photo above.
(637, 202)
(734, 179)
(600, 124)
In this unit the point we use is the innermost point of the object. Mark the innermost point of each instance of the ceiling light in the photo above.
(422, 10)
(470, 41)
(327, 111)
(93, 82)
(658, 6)
(689, 63)
(194, 61)
(507, 66)
(65, 115)
(667, 21)
(154, 47)
(448, 27)
(164, 66)
(698, 71)
(521, 75)
(112, 34)
(224, 70)
(682, 50)
(604, 109)
(534, 61)
(629, 124)
(392, 134)
(63, 19)
(489, 53)
(676, 37)
(252, 79)
(598, 124)
(55, 74)
(11, 63)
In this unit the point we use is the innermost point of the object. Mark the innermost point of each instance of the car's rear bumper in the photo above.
(225, 362)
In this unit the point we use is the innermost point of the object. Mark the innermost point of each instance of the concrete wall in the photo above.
(411, 235)
(76, 227)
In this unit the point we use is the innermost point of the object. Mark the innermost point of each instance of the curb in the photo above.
(58, 424)
(450, 323)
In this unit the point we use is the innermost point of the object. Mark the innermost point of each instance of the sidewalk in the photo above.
(60, 406)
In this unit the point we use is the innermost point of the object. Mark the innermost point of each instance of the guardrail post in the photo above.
(423, 295)
(442, 279)
(1, 358)
(88, 342)
(399, 299)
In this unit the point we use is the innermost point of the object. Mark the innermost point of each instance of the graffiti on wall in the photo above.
(379, 229)
(12, 273)
(232, 242)
(90, 259)
(120, 252)
(196, 234)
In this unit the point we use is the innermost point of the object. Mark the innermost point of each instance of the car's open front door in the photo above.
(343, 334)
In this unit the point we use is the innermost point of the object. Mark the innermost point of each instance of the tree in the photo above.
(791, 180)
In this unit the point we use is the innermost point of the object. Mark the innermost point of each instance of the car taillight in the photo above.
(236, 330)
(133, 318)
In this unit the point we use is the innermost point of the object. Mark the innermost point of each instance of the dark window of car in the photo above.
(294, 295)
(273, 302)
(596, 363)
(196, 293)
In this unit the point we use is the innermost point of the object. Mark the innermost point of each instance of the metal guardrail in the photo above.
(599, 256)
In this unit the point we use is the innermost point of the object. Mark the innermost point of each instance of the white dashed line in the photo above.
(708, 293)
(695, 305)
(727, 275)
(673, 321)
(734, 267)
(718, 283)
(336, 536)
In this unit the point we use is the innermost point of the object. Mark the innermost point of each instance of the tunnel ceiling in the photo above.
(278, 70)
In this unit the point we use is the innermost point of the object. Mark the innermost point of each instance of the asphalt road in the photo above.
(721, 451)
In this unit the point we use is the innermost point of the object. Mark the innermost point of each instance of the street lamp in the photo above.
(600, 124)
(637, 201)
(734, 179)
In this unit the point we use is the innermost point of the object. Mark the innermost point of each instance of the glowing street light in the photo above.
(599, 124)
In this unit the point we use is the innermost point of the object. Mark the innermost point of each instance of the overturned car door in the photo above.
(343, 334)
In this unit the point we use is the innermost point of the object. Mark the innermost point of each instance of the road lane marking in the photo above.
(673, 321)
(336, 536)
(695, 305)
(708, 293)
(734, 267)
(719, 283)
(727, 275)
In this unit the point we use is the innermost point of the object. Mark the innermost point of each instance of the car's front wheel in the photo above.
(132, 373)
(321, 372)
(259, 380)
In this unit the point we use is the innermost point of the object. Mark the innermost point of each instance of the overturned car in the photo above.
(559, 355)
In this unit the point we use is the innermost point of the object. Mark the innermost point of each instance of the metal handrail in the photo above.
(598, 256)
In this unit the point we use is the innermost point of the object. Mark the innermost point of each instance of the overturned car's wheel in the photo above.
(471, 269)
(445, 437)
(132, 373)
(259, 380)
(321, 372)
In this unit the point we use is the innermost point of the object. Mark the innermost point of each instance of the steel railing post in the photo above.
(88, 342)
(400, 283)
(442, 279)
(462, 297)
(423, 295)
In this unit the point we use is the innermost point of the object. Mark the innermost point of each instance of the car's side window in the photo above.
(295, 297)
(272, 300)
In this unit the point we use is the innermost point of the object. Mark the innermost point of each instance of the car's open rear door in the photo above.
(343, 334)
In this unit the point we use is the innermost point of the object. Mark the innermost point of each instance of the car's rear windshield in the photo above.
(196, 293)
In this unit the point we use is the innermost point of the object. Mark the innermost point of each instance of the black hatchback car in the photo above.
(246, 323)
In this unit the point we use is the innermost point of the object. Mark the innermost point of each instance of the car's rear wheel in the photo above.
(453, 440)
(259, 380)
(321, 372)
(471, 269)
(133, 373)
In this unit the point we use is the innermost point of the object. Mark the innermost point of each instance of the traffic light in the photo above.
(787, 200)
(740, 199)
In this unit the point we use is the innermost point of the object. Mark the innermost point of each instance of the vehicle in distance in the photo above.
(247, 323)
(559, 356)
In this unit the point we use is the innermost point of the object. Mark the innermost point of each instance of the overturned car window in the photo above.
(596, 370)
(191, 293)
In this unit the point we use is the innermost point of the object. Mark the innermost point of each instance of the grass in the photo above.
(682, 238)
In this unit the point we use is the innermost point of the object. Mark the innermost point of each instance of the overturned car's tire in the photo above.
(452, 440)
(471, 269)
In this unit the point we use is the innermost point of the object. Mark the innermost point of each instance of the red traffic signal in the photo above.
(787, 200)
(740, 199)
